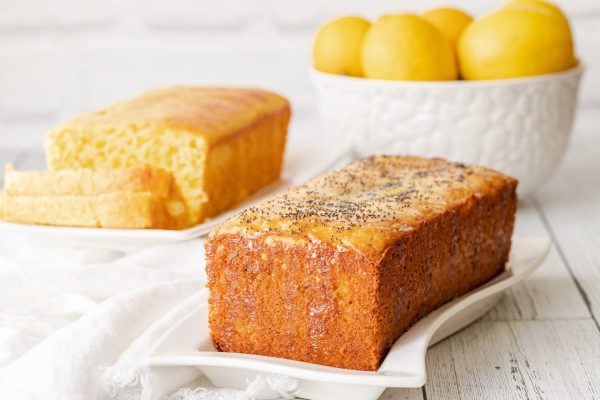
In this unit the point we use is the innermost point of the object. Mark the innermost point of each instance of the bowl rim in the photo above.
(576, 70)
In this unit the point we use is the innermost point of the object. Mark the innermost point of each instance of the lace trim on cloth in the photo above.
(124, 382)
(261, 386)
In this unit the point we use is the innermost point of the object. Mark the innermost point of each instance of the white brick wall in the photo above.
(62, 57)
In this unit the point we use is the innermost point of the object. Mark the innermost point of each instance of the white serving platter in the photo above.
(302, 162)
(188, 343)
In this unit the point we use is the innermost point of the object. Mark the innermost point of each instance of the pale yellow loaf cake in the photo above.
(220, 144)
(135, 198)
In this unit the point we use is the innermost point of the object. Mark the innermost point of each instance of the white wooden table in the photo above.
(543, 340)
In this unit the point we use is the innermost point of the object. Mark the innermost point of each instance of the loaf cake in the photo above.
(141, 197)
(335, 270)
(221, 144)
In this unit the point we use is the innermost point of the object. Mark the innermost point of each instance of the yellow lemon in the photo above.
(450, 21)
(514, 42)
(536, 5)
(543, 6)
(337, 46)
(407, 47)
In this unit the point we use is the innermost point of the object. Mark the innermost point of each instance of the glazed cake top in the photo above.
(369, 204)
(211, 112)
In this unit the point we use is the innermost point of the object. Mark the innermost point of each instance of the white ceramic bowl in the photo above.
(517, 126)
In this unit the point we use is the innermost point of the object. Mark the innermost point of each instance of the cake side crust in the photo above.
(284, 297)
(444, 258)
(243, 163)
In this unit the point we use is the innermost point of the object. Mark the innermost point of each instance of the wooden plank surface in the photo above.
(403, 394)
(550, 293)
(570, 205)
(517, 360)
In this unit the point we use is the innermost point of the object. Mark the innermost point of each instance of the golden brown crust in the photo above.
(333, 271)
(369, 204)
(306, 301)
(214, 113)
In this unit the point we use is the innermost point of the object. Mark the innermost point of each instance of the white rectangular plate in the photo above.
(301, 163)
(188, 343)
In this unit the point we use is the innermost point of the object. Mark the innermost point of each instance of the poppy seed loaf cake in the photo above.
(335, 270)
(220, 144)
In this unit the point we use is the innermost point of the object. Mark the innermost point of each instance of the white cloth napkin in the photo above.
(80, 323)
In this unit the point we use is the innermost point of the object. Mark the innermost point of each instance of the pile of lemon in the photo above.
(522, 38)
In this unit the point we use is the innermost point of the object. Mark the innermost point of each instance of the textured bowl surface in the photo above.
(518, 126)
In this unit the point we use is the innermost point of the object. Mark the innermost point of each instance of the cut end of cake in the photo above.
(183, 156)
(220, 144)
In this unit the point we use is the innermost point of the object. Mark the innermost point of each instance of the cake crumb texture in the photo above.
(134, 198)
(220, 144)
